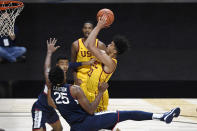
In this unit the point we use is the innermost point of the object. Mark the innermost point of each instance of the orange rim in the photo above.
(20, 4)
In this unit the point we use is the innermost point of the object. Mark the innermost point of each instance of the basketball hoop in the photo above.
(9, 10)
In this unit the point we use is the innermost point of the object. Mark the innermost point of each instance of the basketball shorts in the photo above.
(42, 115)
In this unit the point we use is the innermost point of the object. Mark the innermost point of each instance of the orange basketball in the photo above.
(108, 13)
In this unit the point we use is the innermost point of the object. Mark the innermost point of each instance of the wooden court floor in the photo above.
(15, 114)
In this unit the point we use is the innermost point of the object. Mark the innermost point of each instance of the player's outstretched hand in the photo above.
(102, 21)
(102, 87)
(51, 45)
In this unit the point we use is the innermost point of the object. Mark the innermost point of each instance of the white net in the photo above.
(8, 11)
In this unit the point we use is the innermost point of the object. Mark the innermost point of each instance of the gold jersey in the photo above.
(84, 55)
(97, 75)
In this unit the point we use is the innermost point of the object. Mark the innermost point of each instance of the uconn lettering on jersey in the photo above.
(60, 89)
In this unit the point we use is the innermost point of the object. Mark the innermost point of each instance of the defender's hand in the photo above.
(102, 87)
(51, 45)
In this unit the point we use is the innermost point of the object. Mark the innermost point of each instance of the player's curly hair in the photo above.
(56, 76)
(121, 44)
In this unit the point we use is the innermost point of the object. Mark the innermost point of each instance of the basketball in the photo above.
(108, 13)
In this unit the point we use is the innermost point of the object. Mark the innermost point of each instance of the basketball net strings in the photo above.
(7, 24)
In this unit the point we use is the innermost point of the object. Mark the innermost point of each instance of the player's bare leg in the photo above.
(56, 126)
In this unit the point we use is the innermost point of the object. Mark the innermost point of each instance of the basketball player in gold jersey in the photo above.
(80, 53)
(102, 69)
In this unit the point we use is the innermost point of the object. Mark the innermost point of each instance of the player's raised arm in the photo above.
(102, 56)
(83, 101)
(50, 50)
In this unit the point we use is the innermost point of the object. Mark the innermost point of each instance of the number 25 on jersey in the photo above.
(61, 98)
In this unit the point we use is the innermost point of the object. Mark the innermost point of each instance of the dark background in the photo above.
(161, 61)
